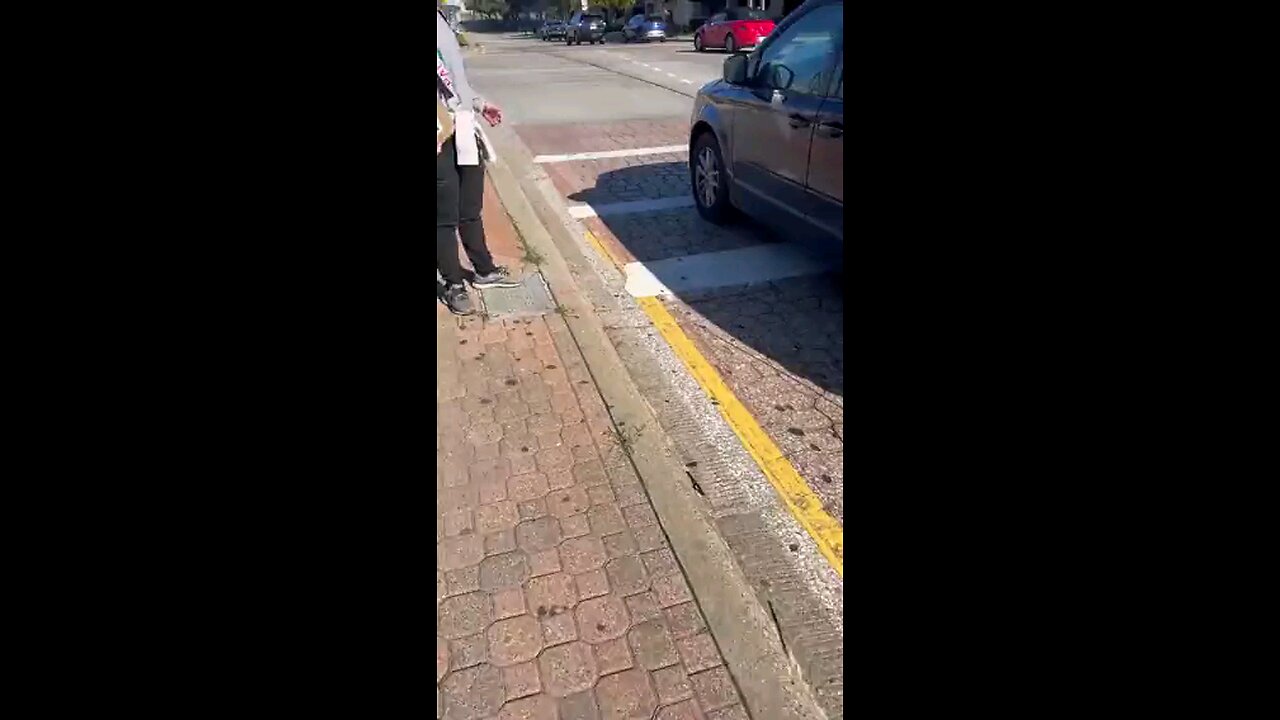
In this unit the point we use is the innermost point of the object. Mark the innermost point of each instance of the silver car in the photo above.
(551, 29)
(640, 27)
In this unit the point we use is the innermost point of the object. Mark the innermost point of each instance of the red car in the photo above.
(737, 29)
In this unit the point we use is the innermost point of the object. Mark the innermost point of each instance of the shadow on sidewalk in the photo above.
(795, 323)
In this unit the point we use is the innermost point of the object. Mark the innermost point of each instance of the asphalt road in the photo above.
(552, 82)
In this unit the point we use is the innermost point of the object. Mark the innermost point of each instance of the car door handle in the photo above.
(834, 129)
(798, 121)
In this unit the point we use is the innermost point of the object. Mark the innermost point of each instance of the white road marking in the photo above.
(520, 70)
(584, 211)
(726, 268)
(671, 74)
(603, 154)
(686, 82)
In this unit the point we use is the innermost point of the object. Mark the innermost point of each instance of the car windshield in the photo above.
(745, 14)
(655, 18)
(592, 18)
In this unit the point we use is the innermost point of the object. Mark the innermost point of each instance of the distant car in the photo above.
(737, 29)
(645, 28)
(767, 140)
(551, 29)
(584, 26)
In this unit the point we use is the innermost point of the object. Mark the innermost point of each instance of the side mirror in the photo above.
(783, 77)
(735, 69)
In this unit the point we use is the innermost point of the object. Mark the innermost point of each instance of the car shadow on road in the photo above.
(753, 332)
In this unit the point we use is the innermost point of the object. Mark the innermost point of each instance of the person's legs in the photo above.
(447, 191)
(471, 230)
(447, 262)
(470, 223)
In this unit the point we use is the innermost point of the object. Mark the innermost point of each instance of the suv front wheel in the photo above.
(710, 182)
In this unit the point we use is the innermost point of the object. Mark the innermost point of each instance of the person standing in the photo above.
(460, 179)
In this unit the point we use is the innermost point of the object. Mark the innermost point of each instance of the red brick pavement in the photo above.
(643, 236)
(590, 137)
(557, 594)
(780, 349)
(504, 242)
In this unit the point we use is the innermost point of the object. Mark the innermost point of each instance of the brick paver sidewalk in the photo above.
(557, 595)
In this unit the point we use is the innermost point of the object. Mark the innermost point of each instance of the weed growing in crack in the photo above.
(531, 256)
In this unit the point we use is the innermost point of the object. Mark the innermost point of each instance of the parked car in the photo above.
(767, 139)
(584, 26)
(646, 28)
(551, 29)
(737, 29)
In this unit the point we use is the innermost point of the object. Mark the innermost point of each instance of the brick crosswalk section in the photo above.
(557, 594)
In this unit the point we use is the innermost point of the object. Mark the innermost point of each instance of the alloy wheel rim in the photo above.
(708, 177)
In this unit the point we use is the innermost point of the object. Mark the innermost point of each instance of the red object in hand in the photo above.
(492, 113)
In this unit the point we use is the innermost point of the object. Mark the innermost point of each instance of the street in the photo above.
(732, 339)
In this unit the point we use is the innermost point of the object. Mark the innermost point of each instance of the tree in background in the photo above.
(488, 8)
(565, 7)
(614, 9)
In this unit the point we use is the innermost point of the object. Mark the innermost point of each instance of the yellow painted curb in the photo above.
(600, 248)
(805, 505)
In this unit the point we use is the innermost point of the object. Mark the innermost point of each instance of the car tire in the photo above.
(708, 180)
(697, 43)
(730, 45)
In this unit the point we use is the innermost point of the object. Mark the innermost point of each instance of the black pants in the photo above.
(459, 199)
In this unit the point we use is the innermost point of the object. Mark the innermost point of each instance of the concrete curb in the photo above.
(768, 681)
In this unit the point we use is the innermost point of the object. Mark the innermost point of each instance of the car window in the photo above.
(656, 18)
(717, 18)
(747, 14)
(798, 57)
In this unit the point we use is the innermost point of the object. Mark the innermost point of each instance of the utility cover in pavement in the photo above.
(531, 298)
